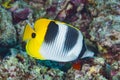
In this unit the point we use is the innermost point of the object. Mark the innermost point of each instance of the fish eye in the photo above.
(33, 35)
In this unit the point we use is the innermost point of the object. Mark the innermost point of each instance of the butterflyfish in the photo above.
(55, 40)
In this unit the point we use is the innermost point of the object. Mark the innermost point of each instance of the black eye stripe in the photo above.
(33, 35)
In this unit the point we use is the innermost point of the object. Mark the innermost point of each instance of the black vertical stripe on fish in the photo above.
(71, 38)
(51, 32)
(83, 50)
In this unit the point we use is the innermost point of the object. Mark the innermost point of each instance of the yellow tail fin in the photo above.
(28, 32)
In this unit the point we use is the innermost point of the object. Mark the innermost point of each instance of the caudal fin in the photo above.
(27, 32)
(88, 53)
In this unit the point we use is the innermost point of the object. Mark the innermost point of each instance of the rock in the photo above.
(7, 30)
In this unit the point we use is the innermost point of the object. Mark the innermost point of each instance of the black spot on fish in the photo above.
(51, 32)
(83, 50)
(33, 35)
(71, 38)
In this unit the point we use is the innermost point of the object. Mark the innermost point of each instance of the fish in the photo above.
(56, 41)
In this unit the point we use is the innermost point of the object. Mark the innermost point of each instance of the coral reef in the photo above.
(106, 23)
(99, 20)
(26, 69)
(7, 31)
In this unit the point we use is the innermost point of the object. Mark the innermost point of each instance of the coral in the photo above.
(7, 31)
(27, 69)
(99, 21)
(87, 73)
(107, 30)
(106, 23)
(20, 15)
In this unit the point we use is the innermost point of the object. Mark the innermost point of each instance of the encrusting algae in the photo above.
(98, 20)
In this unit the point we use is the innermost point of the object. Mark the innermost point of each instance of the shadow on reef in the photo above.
(3, 52)
(57, 65)
(6, 51)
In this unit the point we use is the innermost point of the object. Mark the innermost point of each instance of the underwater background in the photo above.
(98, 20)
